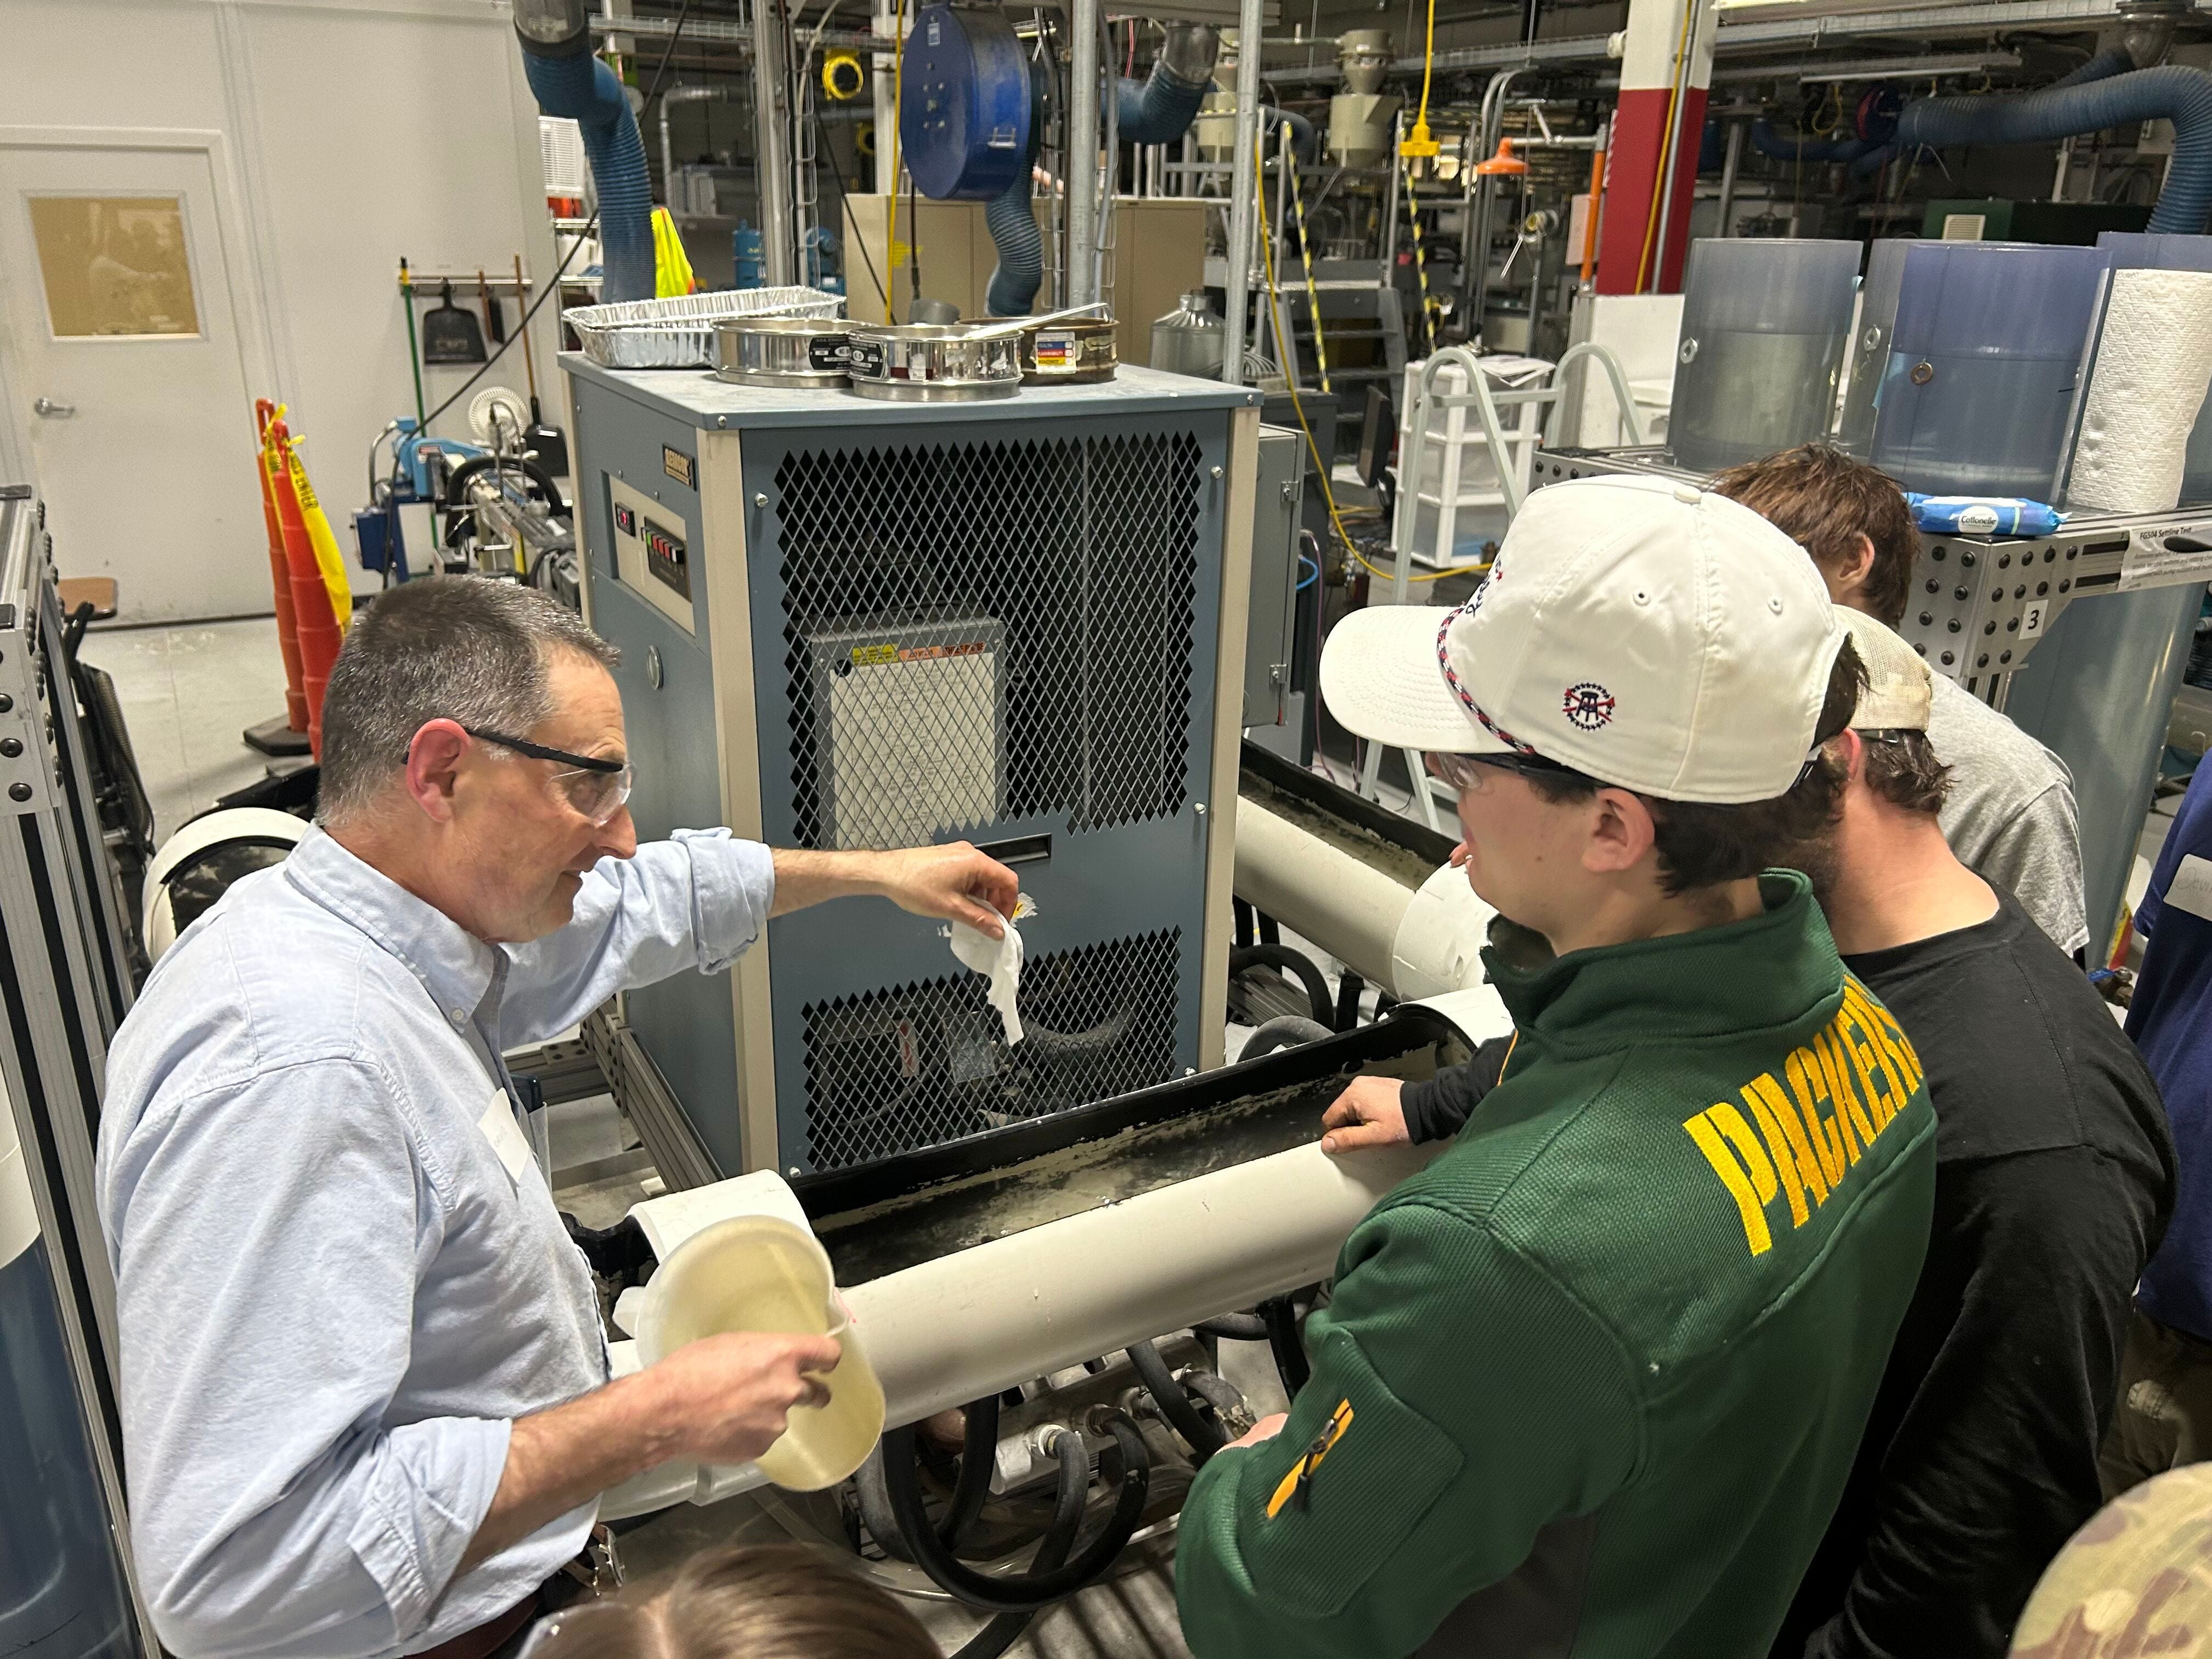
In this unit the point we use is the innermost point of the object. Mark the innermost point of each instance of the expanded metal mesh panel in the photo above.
(916, 1065)
(986, 631)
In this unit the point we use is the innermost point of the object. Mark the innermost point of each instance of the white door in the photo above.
(118, 308)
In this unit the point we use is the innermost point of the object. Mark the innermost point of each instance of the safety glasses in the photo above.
(596, 786)
(1468, 772)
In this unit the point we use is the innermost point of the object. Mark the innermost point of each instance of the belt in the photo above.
(595, 1571)
(488, 1638)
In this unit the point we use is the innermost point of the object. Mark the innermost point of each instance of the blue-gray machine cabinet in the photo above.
(853, 624)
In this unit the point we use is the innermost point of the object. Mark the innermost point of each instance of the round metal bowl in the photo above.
(788, 351)
(923, 362)
(1073, 353)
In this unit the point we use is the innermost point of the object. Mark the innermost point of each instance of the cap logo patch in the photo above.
(1589, 705)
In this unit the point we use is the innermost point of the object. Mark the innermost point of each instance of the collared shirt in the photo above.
(336, 1289)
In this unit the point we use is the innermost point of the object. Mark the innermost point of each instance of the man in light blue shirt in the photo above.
(365, 1394)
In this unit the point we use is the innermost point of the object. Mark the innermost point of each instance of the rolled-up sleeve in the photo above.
(267, 1307)
(694, 901)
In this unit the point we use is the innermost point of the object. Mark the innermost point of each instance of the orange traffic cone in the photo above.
(287, 633)
(317, 625)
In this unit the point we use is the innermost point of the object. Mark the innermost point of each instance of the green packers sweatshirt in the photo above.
(1588, 1385)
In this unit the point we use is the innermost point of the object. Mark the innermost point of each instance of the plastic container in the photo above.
(1978, 396)
(1765, 321)
(759, 1273)
(2140, 251)
(1869, 348)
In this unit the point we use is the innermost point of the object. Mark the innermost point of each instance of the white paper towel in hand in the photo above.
(1000, 958)
(2153, 361)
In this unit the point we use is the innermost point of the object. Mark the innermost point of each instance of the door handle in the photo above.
(54, 410)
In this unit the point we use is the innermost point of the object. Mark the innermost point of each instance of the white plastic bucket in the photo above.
(759, 1273)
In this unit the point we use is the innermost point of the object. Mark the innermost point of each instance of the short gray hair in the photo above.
(462, 648)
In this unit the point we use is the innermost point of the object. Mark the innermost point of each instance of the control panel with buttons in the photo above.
(652, 552)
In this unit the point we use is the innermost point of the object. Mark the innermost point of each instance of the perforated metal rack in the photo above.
(1000, 623)
(1979, 604)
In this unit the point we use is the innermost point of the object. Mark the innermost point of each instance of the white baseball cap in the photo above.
(1646, 633)
(1900, 690)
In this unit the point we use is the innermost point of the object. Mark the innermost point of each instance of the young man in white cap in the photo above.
(2055, 1175)
(1592, 1381)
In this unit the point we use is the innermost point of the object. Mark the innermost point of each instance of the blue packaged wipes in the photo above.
(1983, 516)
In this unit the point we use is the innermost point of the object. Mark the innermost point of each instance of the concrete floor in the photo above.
(187, 693)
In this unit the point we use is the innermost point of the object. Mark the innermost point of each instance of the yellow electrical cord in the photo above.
(1298, 404)
(1417, 142)
(891, 207)
(1666, 143)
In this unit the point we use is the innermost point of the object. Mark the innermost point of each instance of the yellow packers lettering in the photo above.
(1796, 1136)
(1292, 1488)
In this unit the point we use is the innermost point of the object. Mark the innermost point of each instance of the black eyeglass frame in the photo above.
(1526, 765)
(539, 751)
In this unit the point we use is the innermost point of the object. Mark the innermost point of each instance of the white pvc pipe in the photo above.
(982, 1319)
(1320, 892)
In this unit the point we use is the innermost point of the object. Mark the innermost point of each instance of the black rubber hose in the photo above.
(869, 1485)
(1282, 1321)
(1234, 1327)
(1285, 1031)
(1227, 1399)
(1205, 1439)
(979, 1461)
(456, 483)
(1004, 1631)
(979, 1454)
(1031, 1591)
(1299, 966)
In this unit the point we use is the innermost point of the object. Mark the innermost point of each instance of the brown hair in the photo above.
(1902, 769)
(1701, 844)
(763, 1602)
(1825, 501)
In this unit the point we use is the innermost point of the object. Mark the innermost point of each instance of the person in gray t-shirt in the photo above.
(2010, 814)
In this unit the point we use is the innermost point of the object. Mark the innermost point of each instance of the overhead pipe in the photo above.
(772, 169)
(568, 81)
(1236, 294)
(681, 95)
(1083, 139)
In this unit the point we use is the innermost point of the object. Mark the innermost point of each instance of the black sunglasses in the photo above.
(539, 751)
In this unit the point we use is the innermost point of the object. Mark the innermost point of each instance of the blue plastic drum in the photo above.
(964, 104)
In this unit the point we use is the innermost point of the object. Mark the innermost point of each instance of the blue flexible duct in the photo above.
(587, 91)
(1020, 269)
(1301, 131)
(1158, 109)
(2105, 65)
(1767, 142)
(2171, 92)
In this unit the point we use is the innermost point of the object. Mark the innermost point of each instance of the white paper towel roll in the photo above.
(2154, 363)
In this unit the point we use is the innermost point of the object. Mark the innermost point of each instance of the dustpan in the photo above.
(451, 335)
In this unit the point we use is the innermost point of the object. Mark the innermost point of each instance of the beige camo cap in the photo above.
(2137, 1580)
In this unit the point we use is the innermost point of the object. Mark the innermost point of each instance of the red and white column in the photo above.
(1630, 258)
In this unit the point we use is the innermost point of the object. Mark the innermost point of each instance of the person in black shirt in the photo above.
(2055, 1173)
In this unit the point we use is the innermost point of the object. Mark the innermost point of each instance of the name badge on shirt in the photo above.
(506, 1136)
(2190, 889)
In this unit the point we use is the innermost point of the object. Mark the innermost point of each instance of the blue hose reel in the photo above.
(964, 108)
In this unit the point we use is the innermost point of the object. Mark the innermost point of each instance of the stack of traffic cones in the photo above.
(288, 637)
(312, 583)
